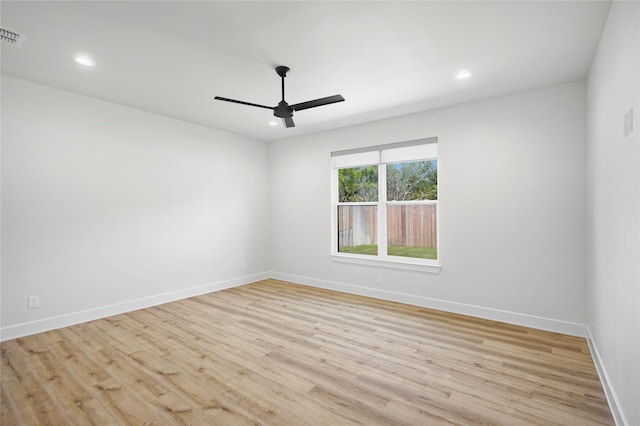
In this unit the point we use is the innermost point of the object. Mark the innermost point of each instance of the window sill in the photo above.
(430, 266)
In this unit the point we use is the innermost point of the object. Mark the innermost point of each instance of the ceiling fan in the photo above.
(283, 109)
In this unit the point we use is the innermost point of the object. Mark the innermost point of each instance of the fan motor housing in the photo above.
(283, 110)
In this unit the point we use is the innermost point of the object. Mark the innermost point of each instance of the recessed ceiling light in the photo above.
(273, 123)
(462, 74)
(83, 60)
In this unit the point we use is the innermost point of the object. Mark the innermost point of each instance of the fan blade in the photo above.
(243, 103)
(288, 122)
(317, 102)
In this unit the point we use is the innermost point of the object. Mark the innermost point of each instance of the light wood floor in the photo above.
(275, 353)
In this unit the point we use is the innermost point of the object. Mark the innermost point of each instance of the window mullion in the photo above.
(334, 210)
(382, 210)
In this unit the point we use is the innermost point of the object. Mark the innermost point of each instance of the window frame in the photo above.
(381, 156)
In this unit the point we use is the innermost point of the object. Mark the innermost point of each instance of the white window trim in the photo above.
(381, 260)
(392, 262)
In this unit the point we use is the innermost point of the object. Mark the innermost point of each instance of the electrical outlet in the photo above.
(33, 302)
(242, 265)
(378, 279)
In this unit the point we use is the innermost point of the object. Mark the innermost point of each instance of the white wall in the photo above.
(107, 208)
(614, 207)
(512, 206)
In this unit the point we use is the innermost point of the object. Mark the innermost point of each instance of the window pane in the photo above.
(358, 229)
(417, 180)
(412, 231)
(358, 184)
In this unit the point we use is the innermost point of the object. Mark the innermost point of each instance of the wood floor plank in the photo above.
(276, 353)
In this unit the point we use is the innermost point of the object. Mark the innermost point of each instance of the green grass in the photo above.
(363, 249)
(372, 249)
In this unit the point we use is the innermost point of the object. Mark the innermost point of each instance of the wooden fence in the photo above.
(412, 225)
(357, 225)
(408, 225)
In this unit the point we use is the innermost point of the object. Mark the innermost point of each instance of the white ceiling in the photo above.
(386, 58)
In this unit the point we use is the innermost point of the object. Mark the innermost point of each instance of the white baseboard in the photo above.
(52, 323)
(612, 398)
(46, 324)
(557, 326)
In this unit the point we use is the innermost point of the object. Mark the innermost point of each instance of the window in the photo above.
(385, 205)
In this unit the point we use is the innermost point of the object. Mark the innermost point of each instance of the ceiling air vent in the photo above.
(11, 37)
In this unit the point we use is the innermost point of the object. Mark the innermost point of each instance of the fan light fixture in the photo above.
(85, 61)
(463, 74)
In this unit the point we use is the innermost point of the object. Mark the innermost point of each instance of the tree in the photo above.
(417, 180)
(412, 181)
(358, 184)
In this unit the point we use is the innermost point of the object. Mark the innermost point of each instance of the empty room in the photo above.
(320, 213)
